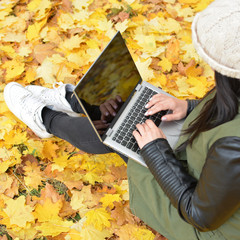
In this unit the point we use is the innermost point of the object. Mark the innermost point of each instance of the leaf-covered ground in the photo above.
(48, 188)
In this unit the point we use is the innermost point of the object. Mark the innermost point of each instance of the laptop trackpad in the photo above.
(172, 131)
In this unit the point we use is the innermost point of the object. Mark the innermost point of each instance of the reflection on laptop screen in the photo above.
(113, 73)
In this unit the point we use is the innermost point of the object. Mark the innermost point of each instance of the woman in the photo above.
(193, 191)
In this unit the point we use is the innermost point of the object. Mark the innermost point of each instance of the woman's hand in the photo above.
(110, 108)
(161, 102)
(147, 132)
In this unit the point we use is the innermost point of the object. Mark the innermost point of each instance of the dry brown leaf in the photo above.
(121, 213)
(119, 172)
(190, 69)
(25, 158)
(66, 210)
(42, 51)
(123, 15)
(173, 49)
(50, 192)
(154, 65)
(13, 190)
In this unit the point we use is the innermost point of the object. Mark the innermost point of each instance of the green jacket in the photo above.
(149, 202)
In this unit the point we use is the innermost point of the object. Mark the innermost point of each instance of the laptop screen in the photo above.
(113, 73)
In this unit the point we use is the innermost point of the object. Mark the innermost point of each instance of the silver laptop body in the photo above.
(122, 78)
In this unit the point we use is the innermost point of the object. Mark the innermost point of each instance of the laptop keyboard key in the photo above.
(129, 145)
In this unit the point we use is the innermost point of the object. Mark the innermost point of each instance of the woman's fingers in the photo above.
(156, 98)
(141, 129)
(146, 133)
(171, 117)
(150, 124)
(137, 135)
(161, 102)
(159, 106)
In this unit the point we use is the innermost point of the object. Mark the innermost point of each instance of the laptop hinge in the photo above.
(138, 87)
(109, 132)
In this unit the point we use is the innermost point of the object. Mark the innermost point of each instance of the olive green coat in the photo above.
(149, 202)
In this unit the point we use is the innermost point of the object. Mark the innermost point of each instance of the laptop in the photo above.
(115, 73)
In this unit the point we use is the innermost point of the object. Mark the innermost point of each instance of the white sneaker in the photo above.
(54, 97)
(26, 107)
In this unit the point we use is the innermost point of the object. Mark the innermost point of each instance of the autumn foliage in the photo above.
(48, 188)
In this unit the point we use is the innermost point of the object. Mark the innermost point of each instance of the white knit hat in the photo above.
(216, 36)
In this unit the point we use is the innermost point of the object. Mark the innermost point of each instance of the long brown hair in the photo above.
(223, 107)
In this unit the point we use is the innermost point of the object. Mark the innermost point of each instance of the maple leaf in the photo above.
(18, 213)
(182, 84)
(125, 232)
(202, 4)
(48, 211)
(41, 51)
(54, 227)
(190, 69)
(91, 233)
(90, 200)
(30, 75)
(122, 26)
(92, 177)
(122, 214)
(14, 68)
(34, 147)
(5, 182)
(190, 53)
(73, 234)
(119, 172)
(15, 137)
(49, 149)
(199, 88)
(65, 21)
(66, 210)
(77, 200)
(73, 42)
(172, 52)
(45, 71)
(165, 64)
(34, 30)
(147, 43)
(49, 192)
(33, 174)
(99, 218)
(145, 72)
(13, 190)
(24, 50)
(109, 199)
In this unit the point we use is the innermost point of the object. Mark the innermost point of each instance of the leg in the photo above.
(72, 100)
(76, 130)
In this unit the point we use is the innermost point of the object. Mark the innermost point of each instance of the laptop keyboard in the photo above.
(136, 115)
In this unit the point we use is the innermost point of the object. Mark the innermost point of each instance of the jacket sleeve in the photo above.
(208, 202)
(191, 105)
